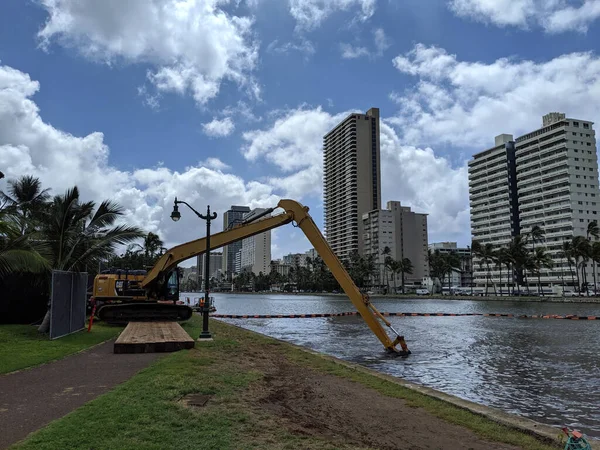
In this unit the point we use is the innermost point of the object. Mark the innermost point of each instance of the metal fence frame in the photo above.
(67, 303)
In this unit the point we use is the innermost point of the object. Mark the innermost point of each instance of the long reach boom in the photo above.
(294, 213)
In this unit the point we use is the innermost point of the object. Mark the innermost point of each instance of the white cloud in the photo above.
(191, 45)
(304, 46)
(214, 163)
(28, 145)
(468, 103)
(380, 41)
(351, 52)
(310, 14)
(554, 16)
(219, 128)
(416, 177)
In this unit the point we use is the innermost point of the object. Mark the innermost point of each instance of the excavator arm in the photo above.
(294, 212)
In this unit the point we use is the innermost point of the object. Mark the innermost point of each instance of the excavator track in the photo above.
(123, 313)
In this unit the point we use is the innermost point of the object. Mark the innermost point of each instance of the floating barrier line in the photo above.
(400, 314)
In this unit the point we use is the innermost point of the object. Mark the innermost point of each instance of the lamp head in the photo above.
(175, 215)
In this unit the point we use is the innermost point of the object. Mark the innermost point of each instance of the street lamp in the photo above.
(176, 215)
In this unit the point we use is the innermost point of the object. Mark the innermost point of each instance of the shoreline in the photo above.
(588, 300)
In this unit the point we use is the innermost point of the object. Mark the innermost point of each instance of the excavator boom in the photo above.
(294, 212)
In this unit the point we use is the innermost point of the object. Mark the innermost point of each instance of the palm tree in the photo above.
(386, 252)
(541, 259)
(595, 255)
(594, 231)
(24, 199)
(404, 266)
(152, 246)
(502, 257)
(78, 236)
(388, 263)
(580, 250)
(17, 254)
(567, 250)
(486, 255)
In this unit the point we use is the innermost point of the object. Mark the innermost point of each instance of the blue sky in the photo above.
(226, 101)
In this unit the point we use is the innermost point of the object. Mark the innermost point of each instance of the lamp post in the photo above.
(176, 215)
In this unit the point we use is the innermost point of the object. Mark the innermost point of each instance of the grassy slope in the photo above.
(22, 346)
(144, 412)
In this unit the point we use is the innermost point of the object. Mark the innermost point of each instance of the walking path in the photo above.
(32, 398)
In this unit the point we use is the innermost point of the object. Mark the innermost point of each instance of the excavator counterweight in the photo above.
(153, 296)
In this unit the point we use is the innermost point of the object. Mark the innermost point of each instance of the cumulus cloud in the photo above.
(415, 176)
(219, 128)
(310, 14)
(554, 16)
(191, 45)
(28, 145)
(468, 103)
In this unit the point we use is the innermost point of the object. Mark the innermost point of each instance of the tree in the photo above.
(78, 236)
(594, 231)
(485, 253)
(24, 199)
(567, 250)
(541, 260)
(403, 266)
(595, 255)
(152, 247)
(16, 251)
(386, 252)
(580, 251)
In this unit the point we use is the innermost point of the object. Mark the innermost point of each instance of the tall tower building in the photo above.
(234, 215)
(255, 254)
(352, 179)
(554, 185)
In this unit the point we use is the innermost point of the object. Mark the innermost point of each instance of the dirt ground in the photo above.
(346, 413)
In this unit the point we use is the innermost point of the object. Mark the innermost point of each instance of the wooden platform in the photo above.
(151, 337)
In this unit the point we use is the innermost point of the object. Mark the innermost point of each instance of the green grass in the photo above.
(146, 412)
(21, 346)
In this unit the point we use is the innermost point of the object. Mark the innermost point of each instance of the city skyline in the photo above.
(127, 117)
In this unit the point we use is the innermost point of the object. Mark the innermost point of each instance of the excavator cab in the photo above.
(119, 298)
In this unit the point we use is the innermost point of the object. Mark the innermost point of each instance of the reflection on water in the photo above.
(547, 370)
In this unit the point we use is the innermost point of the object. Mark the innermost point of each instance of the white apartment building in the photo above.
(548, 178)
(404, 232)
(557, 185)
(352, 180)
(255, 254)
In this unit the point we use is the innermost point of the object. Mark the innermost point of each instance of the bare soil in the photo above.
(345, 413)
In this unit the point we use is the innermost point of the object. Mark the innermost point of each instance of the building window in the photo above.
(586, 125)
(576, 124)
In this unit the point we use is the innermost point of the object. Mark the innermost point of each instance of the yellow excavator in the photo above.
(137, 295)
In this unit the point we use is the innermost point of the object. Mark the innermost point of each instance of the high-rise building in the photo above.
(401, 230)
(216, 261)
(352, 179)
(546, 178)
(234, 215)
(255, 253)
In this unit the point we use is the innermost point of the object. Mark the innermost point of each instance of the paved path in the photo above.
(32, 398)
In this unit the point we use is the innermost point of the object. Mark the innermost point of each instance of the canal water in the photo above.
(547, 370)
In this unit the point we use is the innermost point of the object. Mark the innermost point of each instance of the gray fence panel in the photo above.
(68, 308)
(60, 308)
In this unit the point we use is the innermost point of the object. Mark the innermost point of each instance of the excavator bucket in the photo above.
(123, 313)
